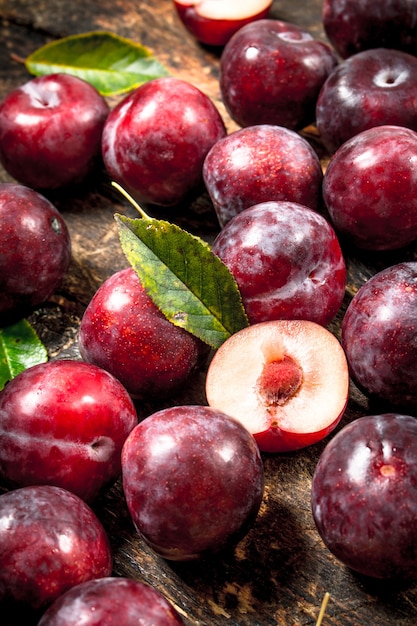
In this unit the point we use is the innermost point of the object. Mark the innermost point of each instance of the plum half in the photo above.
(285, 380)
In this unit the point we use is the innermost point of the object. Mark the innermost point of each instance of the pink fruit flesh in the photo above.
(286, 381)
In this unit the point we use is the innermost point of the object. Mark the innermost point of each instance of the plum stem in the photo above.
(131, 200)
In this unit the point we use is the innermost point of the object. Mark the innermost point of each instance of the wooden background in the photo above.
(280, 572)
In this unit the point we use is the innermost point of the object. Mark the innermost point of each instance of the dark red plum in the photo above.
(193, 481)
(64, 423)
(125, 333)
(364, 496)
(379, 332)
(111, 602)
(371, 88)
(286, 260)
(271, 72)
(50, 541)
(355, 25)
(370, 188)
(156, 138)
(259, 164)
(50, 131)
(35, 249)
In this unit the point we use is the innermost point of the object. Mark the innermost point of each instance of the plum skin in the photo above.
(111, 601)
(271, 72)
(155, 140)
(372, 88)
(180, 464)
(259, 164)
(370, 188)
(125, 333)
(364, 496)
(57, 142)
(378, 335)
(64, 423)
(286, 260)
(355, 25)
(35, 249)
(51, 540)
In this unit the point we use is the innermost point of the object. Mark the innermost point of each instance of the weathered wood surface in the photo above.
(280, 572)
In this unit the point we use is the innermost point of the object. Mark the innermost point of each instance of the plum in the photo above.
(271, 72)
(50, 541)
(364, 496)
(370, 188)
(213, 22)
(371, 88)
(286, 381)
(193, 481)
(64, 423)
(259, 164)
(379, 332)
(110, 602)
(35, 249)
(50, 131)
(286, 260)
(125, 333)
(156, 138)
(355, 25)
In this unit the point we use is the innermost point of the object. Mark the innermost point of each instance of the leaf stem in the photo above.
(132, 201)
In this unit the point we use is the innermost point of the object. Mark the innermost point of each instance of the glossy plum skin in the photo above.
(35, 249)
(64, 423)
(371, 88)
(51, 540)
(213, 22)
(286, 260)
(110, 602)
(50, 131)
(156, 138)
(124, 332)
(364, 496)
(259, 164)
(181, 464)
(271, 72)
(355, 25)
(378, 334)
(370, 188)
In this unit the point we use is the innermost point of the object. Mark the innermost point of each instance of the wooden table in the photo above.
(280, 572)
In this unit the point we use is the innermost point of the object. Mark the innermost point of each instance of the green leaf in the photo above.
(186, 280)
(20, 348)
(112, 64)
